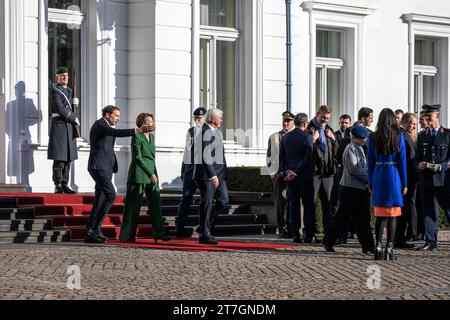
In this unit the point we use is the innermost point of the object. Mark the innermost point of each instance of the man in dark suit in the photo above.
(408, 127)
(345, 121)
(433, 157)
(297, 167)
(62, 145)
(188, 172)
(211, 176)
(101, 166)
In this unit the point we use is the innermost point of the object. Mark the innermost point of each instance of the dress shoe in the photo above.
(368, 250)
(284, 234)
(185, 233)
(427, 247)
(389, 253)
(67, 190)
(297, 239)
(328, 248)
(378, 254)
(97, 234)
(207, 240)
(341, 241)
(163, 237)
(92, 238)
(311, 239)
(404, 245)
(59, 189)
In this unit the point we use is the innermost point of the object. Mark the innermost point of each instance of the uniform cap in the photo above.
(360, 132)
(287, 115)
(200, 112)
(431, 108)
(62, 70)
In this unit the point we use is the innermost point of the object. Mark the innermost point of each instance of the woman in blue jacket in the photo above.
(387, 179)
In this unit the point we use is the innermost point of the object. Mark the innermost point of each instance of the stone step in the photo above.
(173, 209)
(36, 239)
(16, 213)
(234, 219)
(9, 234)
(247, 229)
(26, 225)
(8, 202)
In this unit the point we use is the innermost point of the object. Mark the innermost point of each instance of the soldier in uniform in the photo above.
(279, 185)
(433, 158)
(187, 171)
(62, 145)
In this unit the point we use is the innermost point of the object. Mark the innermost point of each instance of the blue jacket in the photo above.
(296, 154)
(387, 175)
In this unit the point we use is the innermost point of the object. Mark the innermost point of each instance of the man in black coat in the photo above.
(101, 166)
(62, 145)
(211, 176)
(296, 166)
(405, 222)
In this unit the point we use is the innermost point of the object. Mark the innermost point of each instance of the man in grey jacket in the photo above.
(355, 197)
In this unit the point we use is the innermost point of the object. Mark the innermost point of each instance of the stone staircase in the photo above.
(19, 225)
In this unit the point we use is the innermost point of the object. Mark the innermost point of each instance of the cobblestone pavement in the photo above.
(306, 272)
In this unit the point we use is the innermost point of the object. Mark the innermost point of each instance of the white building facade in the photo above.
(168, 57)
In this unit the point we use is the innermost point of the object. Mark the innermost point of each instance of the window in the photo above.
(218, 37)
(329, 65)
(64, 43)
(425, 72)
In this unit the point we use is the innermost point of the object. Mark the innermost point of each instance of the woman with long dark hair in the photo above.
(387, 179)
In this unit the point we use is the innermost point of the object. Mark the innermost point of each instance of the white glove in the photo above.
(75, 101)
(77, 122)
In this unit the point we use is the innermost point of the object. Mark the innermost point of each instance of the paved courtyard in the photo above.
(306, 272)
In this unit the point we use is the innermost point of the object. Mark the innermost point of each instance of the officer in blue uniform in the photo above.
(433, 158)
(188, 172)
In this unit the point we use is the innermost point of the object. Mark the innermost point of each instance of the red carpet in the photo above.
(193, 245)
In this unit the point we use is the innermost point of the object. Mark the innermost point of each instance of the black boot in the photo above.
(67, 190)
(378, 254)
(389, 254)
(59, 188)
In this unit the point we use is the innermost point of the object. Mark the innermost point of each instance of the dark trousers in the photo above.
(322, 188)
(418, 227)
(207, 214)
(132, 208)
(431, 210)
(281, 206)
(61, 170)
(303, 191)
(189, 188)
(355, 204)
(105, 195)
(408, 212)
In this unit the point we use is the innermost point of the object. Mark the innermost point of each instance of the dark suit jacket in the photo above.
(102, 139)
(296, 154)
(213, 159)
(411, 155)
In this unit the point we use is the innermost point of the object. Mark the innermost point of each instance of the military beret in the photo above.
(199, 112)
(360, 132)
(431, 108)
(287, 115)
(62, 70)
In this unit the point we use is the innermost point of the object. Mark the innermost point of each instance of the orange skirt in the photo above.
(387, 211)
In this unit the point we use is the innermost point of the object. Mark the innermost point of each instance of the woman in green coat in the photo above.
(142, 178)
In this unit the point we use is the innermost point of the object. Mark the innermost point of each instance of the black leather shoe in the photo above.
(92, 238)
(297, 239)
(207, 240)
(97, 234)
(368, 250)
(67, 190)
(404, 245)
(328, 248)
(427, 247)
(185, 233)
(163, 237)
(378, 254)
(59, 189)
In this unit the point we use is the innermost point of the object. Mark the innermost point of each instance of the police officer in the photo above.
(433, 157)
(62, 145)
(279, 185)
(192, 151)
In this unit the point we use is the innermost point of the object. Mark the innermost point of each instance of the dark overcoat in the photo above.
(62, 145)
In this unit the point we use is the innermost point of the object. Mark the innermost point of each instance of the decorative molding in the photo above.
(420, 18)
(425, 70)
(65, 16)
(219, 32)
(336, 8)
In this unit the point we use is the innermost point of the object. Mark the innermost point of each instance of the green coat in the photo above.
(142, 165)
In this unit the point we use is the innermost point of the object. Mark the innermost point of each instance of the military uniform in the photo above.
(62, 145)
(187, 175)
(433, 148)
(279, 185)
